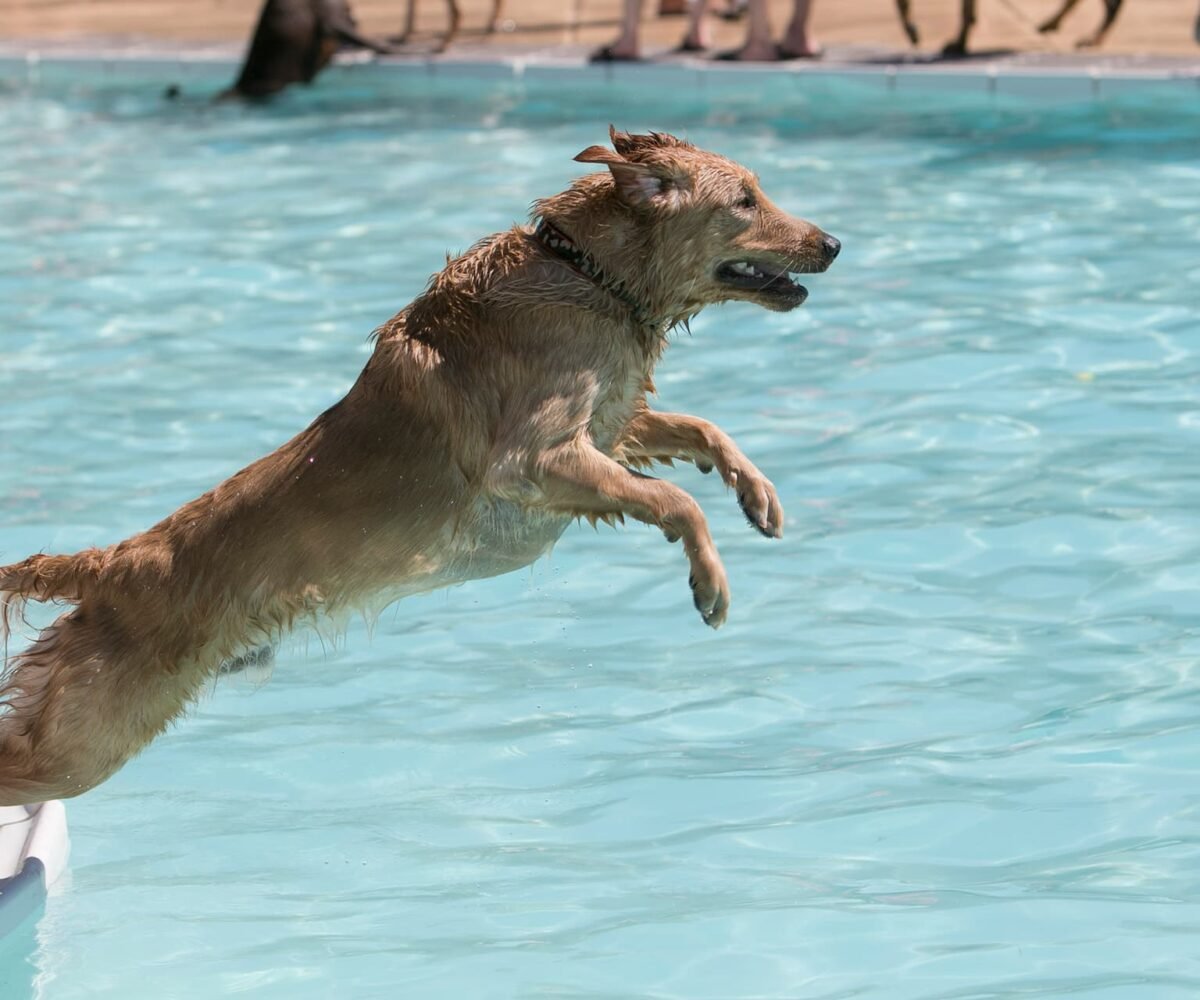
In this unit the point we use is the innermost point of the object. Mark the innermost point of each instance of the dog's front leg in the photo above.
(659, 436)
(579, 479)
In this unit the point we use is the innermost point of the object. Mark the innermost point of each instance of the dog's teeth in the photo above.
(743, 268)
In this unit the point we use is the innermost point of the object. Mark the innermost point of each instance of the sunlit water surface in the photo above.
(947, 745)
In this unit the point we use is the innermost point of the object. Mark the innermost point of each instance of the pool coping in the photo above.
(1025, 73)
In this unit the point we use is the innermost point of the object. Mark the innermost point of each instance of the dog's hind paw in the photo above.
(255, 664)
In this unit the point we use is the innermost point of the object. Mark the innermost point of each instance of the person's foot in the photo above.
(784, 52)
(799, 45)
(694, 41)
(614, 53)
(734, 10)
(671, 8)
(753, 52)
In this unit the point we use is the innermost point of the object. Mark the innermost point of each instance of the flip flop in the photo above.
(781, 55)
(786, 55)
(734, 55)
(606, 54)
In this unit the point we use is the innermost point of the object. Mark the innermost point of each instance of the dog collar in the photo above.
(563, 247)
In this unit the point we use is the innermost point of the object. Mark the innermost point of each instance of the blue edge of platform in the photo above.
(22, 895)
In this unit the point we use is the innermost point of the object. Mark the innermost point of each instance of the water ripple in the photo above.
(946, 746)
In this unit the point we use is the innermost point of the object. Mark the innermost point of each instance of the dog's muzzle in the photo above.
(775, 285)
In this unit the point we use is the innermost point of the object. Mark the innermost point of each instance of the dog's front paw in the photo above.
(759, 502)
(710, 591)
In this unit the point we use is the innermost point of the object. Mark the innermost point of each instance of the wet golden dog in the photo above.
(504, 402)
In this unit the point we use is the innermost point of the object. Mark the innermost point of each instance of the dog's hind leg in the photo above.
(904, 9)
(455, 15)
(86, 696)
(254, 664)
(96, 685)
(497, 10)
(1111, 9)
(957, 46)
(410, 23)
(1054, 22)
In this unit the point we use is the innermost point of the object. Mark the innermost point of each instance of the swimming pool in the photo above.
(946, 746)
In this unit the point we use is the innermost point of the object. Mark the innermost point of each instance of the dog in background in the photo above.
(1111, 9)
(455, 16)
(293, 41)
(957, 46)
(509, 399)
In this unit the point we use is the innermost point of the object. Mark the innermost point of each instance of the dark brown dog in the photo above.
(506, 401)
(957, 46)
(293, 41)
(1111, 9)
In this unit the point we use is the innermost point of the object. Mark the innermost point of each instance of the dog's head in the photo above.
(689, 228)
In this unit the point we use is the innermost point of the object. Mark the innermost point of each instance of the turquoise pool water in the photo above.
(947, 745)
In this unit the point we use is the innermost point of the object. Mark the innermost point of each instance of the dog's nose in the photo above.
(833, 246)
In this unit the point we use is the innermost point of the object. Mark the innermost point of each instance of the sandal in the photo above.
(606, 54)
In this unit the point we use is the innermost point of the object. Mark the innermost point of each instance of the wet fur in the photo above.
(293, 41)
(507, 400)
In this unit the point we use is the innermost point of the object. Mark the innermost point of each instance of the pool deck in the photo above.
(1152, 39)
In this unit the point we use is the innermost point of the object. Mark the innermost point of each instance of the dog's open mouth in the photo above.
(760, 278)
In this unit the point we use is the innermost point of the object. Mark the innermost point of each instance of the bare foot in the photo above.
(799, 45)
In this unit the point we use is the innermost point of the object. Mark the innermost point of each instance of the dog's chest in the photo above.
(619, 399)
(498, 536)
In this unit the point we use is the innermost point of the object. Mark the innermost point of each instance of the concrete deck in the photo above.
(1149, 34)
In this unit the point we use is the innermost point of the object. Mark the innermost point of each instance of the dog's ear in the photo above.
(638, 184)
(599, 154)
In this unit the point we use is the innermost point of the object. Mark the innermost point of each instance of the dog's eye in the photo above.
(747, 201)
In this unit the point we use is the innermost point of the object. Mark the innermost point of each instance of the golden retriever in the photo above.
(507, 400)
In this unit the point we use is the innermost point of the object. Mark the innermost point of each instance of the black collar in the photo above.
(563, 247)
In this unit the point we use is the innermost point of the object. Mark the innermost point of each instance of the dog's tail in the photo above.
(51, 578)
(88, 693)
